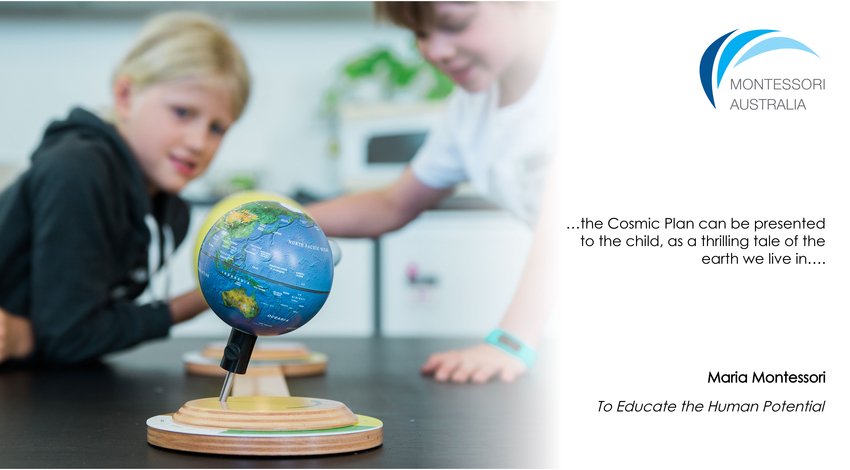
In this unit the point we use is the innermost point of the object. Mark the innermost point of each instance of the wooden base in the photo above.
(366, 434)
(263, 351)
(314, 364)
(265, 426)
(262, 425)
(266, 413)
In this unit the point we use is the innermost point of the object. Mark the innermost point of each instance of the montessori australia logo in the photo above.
(751, 44)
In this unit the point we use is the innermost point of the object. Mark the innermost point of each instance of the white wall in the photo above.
(49, 64)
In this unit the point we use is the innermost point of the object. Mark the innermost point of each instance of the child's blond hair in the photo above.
(183, 45)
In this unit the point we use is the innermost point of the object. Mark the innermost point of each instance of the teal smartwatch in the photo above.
(513, 346)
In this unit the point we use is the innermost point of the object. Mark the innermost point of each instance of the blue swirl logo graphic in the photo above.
(727, 53)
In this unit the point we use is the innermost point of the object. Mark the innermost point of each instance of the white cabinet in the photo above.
(451, 273)
(350, 308)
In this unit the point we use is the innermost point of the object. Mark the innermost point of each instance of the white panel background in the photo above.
(649, 324)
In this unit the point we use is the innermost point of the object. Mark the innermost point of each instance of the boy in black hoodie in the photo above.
(77, 225)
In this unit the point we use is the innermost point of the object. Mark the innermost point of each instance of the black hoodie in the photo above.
(74, 243)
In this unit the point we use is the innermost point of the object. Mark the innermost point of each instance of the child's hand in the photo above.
(477, 364)
(16, 339)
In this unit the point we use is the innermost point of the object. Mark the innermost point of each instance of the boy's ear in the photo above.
(122, 95)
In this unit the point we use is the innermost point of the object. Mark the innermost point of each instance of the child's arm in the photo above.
(16, 341)
(375, 213)
(16, 336)
(187, 306)
(526, 316)
(524, 319)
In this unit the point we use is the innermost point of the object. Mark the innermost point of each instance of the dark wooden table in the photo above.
(95, 416)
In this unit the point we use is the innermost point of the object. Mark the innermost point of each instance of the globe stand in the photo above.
(267, 350)
(235, 360)
(261, 418)
(266, 413)
(294, 359)
(263, 424)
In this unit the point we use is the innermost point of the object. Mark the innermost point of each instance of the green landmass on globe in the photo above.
(238, 298)
(241, 223)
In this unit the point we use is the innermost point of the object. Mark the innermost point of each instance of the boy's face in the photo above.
(472, 43)
(174, 128)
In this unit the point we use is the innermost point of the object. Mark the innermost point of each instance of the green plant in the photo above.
(393, 72)
(399, 74)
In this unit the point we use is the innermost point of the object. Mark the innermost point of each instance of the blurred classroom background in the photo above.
(339, 103)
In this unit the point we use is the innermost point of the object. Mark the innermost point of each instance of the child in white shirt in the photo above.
(498, 133)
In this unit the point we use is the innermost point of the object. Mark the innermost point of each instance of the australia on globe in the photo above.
(265, 268)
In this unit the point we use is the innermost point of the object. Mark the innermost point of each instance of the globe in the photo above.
(265, 268)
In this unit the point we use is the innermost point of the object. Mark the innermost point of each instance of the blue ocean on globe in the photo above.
(265, 268)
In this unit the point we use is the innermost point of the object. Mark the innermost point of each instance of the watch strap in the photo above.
(513, 346)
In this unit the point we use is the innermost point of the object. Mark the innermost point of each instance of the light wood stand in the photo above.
(263, 351)
(292, 359)
(261, 382)
(266, 414)
(271, 424)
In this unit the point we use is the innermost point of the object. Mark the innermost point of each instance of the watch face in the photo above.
(509, 343)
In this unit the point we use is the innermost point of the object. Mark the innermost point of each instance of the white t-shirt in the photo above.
(504, 152)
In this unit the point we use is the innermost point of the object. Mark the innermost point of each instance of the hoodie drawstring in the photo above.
(160, 252)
